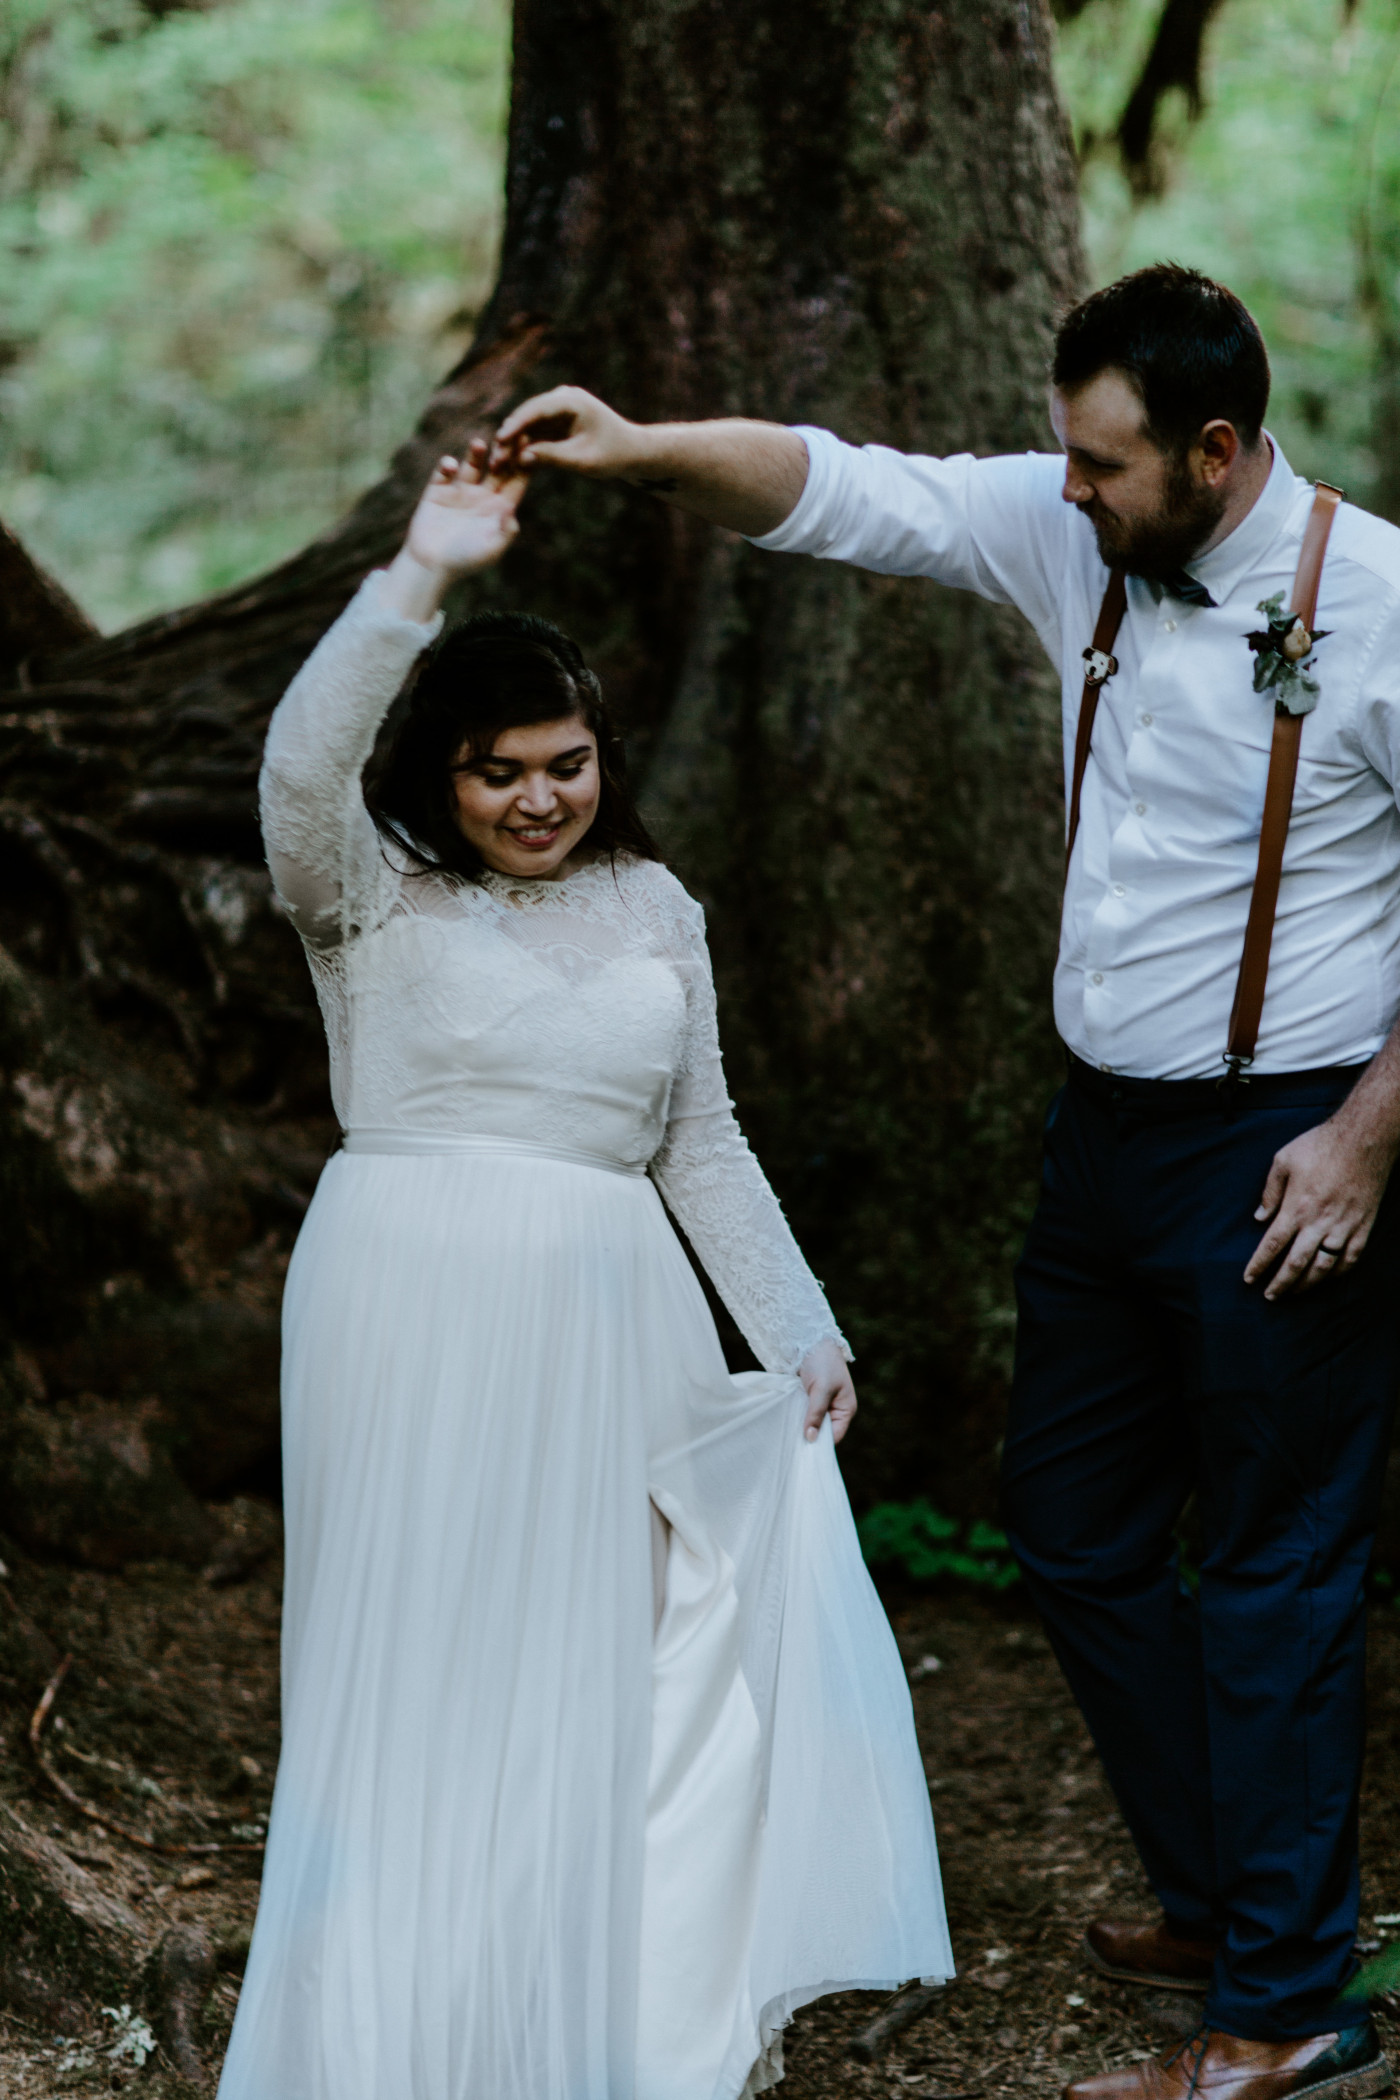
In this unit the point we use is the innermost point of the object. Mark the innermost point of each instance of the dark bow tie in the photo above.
(1187, 589)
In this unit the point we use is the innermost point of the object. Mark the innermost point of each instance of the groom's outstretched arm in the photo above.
(997, 526)
(744, 475)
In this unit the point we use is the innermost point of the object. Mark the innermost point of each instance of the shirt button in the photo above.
(1119, 890)
(1147, 721)
(1170, 626)
(1141, 808)
(1097, 977)
(1105, 1068)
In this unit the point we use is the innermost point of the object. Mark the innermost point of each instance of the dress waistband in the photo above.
(425, 1143)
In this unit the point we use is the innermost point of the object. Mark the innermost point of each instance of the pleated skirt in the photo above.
(551, 1823)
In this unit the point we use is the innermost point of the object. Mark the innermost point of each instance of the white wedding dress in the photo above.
(572, 1804)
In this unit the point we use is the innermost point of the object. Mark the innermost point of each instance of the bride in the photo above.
(598, 1757)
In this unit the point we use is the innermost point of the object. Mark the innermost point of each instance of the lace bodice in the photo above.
(577, 1013)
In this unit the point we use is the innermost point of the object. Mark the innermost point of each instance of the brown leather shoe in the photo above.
(1151, 1955)
(1215, 2066)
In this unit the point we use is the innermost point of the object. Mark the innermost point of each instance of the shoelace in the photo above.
(1199, 2042)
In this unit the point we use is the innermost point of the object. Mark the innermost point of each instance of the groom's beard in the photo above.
(1160, 545)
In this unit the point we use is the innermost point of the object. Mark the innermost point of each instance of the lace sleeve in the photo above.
(717, 1191)
(323, 849)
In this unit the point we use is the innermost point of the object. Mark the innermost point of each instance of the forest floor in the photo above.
(171, 1711)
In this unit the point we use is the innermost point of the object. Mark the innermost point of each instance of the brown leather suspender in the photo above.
(1099, 663)
(1278, 793)
(1278, 804)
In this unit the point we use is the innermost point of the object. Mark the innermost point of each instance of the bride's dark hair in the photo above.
(498, 670)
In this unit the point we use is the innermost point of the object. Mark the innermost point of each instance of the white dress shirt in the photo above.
(1160, 882)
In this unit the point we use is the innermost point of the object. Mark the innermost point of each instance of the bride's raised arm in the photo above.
(322, 846)
(721, 1199)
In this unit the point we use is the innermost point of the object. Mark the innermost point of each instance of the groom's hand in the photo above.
(744, 476)
(1321, 1196)
(571, 429)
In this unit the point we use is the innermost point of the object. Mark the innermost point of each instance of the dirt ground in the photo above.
(168, 1720)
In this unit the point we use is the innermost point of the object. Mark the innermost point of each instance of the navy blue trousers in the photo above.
(1230, 1722)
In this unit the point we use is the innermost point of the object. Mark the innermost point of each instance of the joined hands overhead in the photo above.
(745, 476)
(569, 428)
(465, 520)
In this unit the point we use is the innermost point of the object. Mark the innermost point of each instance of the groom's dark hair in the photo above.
(1190, 347)
(495, 671)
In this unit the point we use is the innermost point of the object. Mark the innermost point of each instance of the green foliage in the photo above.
(1287, 188)
(238, 244)
(1378, 1977)
(239, 241)
(918, 1541)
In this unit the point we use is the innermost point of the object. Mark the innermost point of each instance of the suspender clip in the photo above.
(1234, 1077)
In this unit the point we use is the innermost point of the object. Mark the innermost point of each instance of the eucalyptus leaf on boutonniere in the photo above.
(1283, 658)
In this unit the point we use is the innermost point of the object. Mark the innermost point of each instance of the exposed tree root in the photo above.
(180, 1974)
(67, 1942)
(110, 1825)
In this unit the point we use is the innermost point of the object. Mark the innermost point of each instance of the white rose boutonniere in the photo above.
(1283, 658)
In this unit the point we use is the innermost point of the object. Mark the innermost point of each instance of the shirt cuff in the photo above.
(795, 534)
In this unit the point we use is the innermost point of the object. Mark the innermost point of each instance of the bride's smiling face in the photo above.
(528, 801)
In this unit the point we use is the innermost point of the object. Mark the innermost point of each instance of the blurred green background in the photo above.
(241, 240)
(238, 245)
(1287, 187)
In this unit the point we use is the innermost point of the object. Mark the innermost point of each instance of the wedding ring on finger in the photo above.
(1332, 1253)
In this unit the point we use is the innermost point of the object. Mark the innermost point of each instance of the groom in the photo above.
(1209, 1298)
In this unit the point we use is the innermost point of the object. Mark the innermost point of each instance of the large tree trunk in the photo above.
(855, 213)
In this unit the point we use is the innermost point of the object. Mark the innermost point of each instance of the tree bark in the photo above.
(36, 613)
(863, 216)
(855, 212)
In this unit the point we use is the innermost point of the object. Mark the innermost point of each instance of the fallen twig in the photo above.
(87, 1808)
(13, 2019)
(169, 1801)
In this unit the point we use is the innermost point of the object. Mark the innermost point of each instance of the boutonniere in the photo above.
(1283, 658)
